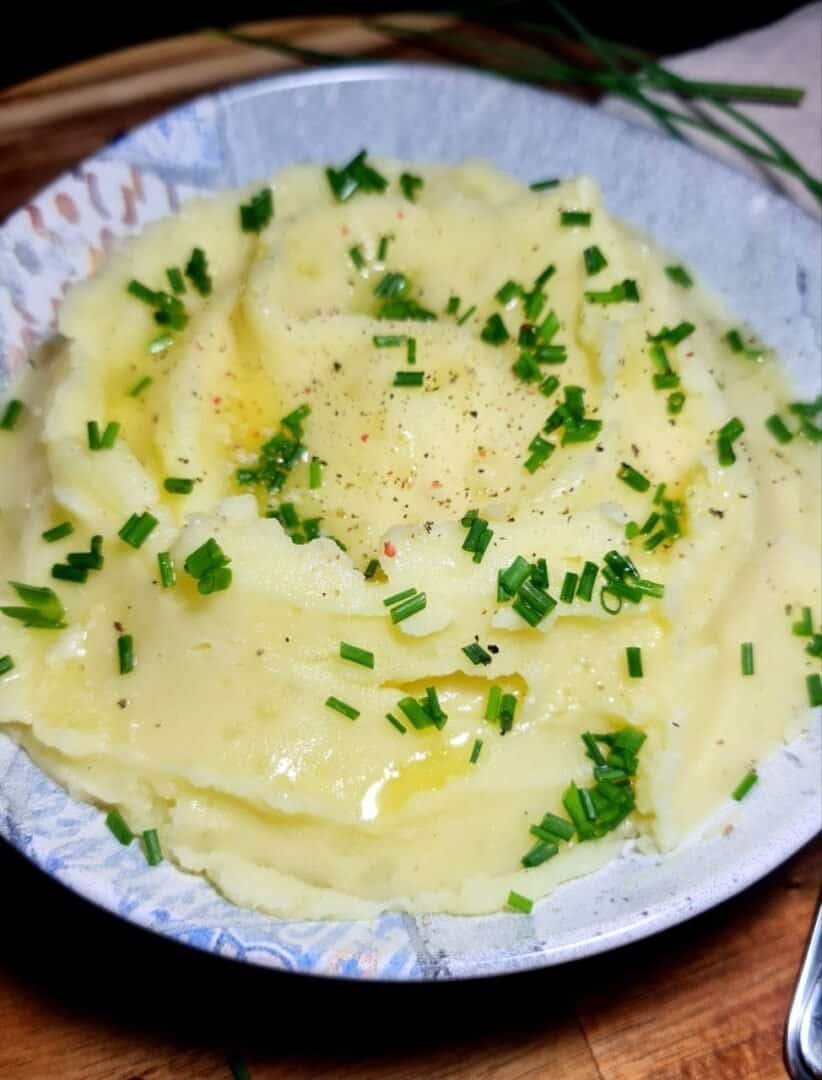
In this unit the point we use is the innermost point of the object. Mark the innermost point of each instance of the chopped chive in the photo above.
(6, 664)
(311, 528)
(109, 436)
(178, 485)
(623, 291)
(808, 409)
(382, 249)
(549, 385)
(672, 336)
(507, 709)
(634, 479)
(540, 853)
(594, 260)
(475, 752)
(515, 575)
(814, 685)
(118, 827)
(408, 378)
(356, 655)
(680, 276)
(574, 217)
(633, 655)
(207, 557)
(544, 276)
(814, 646)
(582, 431)
(168, 575)
(476, 528)
(371, 569)
(11, 414)
(67, 572)
(493, 705)
(160, 344)
(215, 580)
(388, 341)
(777, 427)
(411, 351)
(341, 707)
(810, 430)
(533, 303)
(467, 315)
(592, 749)
(410, 185)
(533, 604)
(289, 515)
(733, 340)
(453, 305)
(65, 528)
(476, 654)
(726, 437)
(676, 403)
(541, 449)
(804, 627)
(258, 212)
(140, 386)
(544, 185)
(417, 715)
(197, 272)
(518, 902)
(125, 653)
(585, 589)
(151, 842)
(508, 292)
(569, 587)
(408, 608)
(397, 597)
(433, 707)
(745, 785)
(93, 433)
(315, 473)
(631, 530)
(357, 258)
(394, 722)
(392, 285)
(667, 381)
(138, 528)
(175, 280)
(494, 332)
(747, 657)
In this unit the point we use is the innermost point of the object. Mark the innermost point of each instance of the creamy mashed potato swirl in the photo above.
(220, 737)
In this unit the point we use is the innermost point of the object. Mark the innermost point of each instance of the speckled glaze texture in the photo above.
(763, 255)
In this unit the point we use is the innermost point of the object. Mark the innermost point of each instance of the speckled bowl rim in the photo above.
(209, 143)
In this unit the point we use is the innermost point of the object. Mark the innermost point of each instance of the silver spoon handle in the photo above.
(803, 1033)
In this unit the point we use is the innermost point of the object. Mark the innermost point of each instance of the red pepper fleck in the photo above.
(217, 400)
(388, 550)
(436, 483)
(344, 230)
(364, 438)
(400, 214)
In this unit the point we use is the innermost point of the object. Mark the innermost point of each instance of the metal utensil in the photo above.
(803, 1032)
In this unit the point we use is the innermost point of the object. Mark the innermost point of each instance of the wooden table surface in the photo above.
(86, 997)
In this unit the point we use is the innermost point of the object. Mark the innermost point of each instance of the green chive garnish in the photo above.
(397, 597)
(544, 185)
(676, 403)
(197, 272)
(357, 257)
(138, 528)
(371, 569)
(594, 260)
(65, 528)
(175, 280)
(747, 657)
(777, 427)
(585, 589)
(118, 827)
(549, 385)
(168, 575)
(178, 485)
(382, 249)
(493, 705)
(256, 214)
(11, 414)
(624, 291)
(680, 276)
(745, 785)
(356, 655)
(475, 752)
(140, 386)
(341, 707)
(507, 709)
(672, 336)
(408, 378)
(804, 627)
(814, 685)
(518, 902)
(394, 722)
(315, 473)
(410, 185)
(476, 654)
(494, 332)
(633, 655)
(93, 432)
(629, 475)
(151, 843)
(508, 292)
(418, 716)
(160, 344)
(43, 609)
(467, 315)
(408, 608)
(540, 853)
(125, 653)
(726, 437)
(66, 572)
(575, 217)
(6, 664)
(569, 587)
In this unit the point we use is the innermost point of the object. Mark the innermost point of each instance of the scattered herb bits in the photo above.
(633, 655)
(746, 651)
(633, 478)
(575, 218)
(357, 176)
(41, 608)
(356, 655)
(258, 212)
(125, 653)
(476, 654)
(411, 185)
(476, 749)
(58, 532)
(728, 434)
(208, 565)
(138, 528)
(6, 664)
(680, 276)
(594, 260)
(544, 185)
(520, 903)
(814, 686)
(745, 785)
(118, 828)
(11, 414)
(168, 574)
(623, 292)
(341, 707)
(494, 332)
(151, 847)
(178, 485)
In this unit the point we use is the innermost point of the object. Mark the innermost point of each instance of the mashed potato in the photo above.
(218, 733)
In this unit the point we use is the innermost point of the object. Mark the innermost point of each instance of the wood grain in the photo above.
(85, 997)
